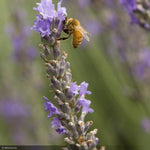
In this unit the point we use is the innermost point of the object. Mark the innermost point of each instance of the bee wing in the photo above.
(83, 32)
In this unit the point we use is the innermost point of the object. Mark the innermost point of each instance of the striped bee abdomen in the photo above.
(77, 38)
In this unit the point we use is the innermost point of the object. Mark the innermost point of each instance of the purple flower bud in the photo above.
(77, 108)
(61, 130)
(88, 125)
(96, 141)
(50, 107)
(56, 52)
(63, 84)
(72, 128)
(56, 83)
(68, 77)
(67, 65)
(61, 71)
(47, 51)
(60, 94)
(51, 70)
(65, 108)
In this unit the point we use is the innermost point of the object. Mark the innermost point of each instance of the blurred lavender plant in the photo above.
(121, 45)
(142, 65)
(72, 106)
(139, 11)
(15, 114)
(145, 123)
(118, 42)
(84, 3)
(19, 33)
(13, 110)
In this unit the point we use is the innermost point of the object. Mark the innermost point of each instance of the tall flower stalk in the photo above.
(72, 106)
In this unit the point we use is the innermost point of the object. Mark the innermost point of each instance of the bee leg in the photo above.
(64, 38)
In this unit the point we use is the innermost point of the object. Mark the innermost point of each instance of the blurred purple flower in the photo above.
(143, 63)
(146, 125)
(50, 107)
(13, 109)
(31, 52)
(18, 43)
(84, 3)
(139, 70)
(18, 137)
(130, 5)
(93, 27)
(109, 3)
(26, 31)
(145, 56)
(19, 34)
(113, 20)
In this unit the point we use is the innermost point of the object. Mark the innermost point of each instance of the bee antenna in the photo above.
(64, 22)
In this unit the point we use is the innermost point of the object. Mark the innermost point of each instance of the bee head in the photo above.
(65, 25)
(65, 21)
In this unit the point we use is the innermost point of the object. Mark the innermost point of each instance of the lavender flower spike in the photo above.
(69, 97)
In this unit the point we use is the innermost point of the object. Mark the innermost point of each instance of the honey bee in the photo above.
(72, 27)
